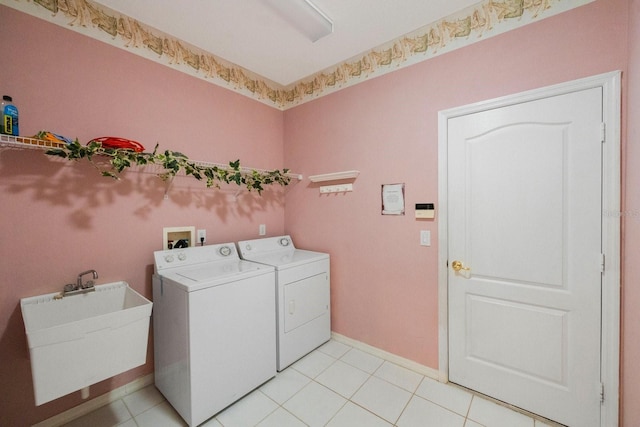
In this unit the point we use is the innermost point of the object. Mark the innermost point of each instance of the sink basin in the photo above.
(83, 339)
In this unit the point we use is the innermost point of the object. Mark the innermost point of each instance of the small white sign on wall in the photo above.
(393, 199)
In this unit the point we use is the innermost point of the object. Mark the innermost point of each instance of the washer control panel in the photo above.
(284, 241)
(184, 257)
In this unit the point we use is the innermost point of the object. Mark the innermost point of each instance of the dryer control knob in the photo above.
(248, 247)
(168, 258)
(182, 256)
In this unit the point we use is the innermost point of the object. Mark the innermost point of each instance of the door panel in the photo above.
(504, 334)
(525, 221)
(528, 172)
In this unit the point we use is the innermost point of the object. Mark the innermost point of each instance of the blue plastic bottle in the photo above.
(9, 112)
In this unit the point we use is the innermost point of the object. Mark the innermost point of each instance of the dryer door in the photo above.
(305, 300)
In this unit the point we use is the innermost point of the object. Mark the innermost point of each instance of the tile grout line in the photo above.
(280, 406)
(131, 416)
(466, 417)
(347, 399)
(395, 423)
(358, 389)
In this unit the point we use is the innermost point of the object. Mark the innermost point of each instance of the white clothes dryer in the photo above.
(303, 294)
(214, 328)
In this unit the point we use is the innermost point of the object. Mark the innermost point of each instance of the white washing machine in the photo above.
(214, 328)
(303, 294)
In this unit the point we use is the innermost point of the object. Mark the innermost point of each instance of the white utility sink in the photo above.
(82, 339)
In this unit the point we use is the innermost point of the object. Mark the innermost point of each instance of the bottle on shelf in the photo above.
(9, 113)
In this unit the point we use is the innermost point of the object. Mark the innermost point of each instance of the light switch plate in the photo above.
(425, 238)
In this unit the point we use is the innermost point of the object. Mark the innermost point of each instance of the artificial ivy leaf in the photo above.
(110, 174)
(59, 152)
(173, 162)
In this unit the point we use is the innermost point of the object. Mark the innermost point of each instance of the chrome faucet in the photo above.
(89, 284)
(79, 287)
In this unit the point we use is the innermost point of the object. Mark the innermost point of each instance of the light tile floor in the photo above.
(334, 386)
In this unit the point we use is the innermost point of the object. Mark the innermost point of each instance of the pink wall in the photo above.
(384, 284)
(58, 219)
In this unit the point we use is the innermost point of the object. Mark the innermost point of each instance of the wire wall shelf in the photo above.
(10, 141)
(21, 142)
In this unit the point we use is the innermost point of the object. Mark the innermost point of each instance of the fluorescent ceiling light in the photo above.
(304, 16)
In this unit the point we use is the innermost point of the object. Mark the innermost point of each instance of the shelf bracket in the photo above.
(169, 184)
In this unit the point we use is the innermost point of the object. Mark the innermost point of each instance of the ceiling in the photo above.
(255, 37)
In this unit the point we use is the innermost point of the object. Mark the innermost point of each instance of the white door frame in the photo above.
(611, 189)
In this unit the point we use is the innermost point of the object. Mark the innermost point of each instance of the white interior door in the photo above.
(525, 222)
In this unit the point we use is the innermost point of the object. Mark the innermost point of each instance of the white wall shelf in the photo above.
(336, 176)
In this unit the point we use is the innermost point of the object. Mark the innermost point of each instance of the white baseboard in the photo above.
(401, 361)
(93, 404)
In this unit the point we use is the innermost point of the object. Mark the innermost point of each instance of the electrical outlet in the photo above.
(202, 236)
(262, 230)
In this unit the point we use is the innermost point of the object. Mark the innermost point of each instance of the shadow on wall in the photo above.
(80, 187)
(14, 353)
(58, 214)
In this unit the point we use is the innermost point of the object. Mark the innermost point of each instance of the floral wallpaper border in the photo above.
(485, 19)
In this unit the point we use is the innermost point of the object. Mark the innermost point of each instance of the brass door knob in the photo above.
(457, 266)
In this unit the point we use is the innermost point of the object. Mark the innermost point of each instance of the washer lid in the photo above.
(215, 274)
(216, 270)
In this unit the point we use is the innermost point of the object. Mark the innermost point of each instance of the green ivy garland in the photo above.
(173, 162)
